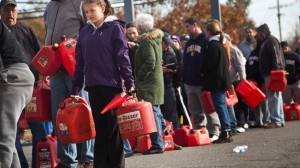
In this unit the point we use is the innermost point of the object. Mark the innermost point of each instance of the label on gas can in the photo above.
(31, 106)
(168, 143)
(130, 121)
(43, 61)
(63, 128)
(45, 161)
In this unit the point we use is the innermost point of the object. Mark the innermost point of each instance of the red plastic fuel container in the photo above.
(66, 50)
(168, 141)
(292, 112)
(250, 94)
(47, 60)
(277, 80)
(208, 105)
(39, 107)
(185, 136)
(135, 118)
(143, 143)
(46, 152)
(74, 121)
(231, 97)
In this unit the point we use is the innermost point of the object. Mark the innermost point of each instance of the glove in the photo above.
(131, 92)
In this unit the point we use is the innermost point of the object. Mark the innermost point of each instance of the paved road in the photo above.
(276, 148)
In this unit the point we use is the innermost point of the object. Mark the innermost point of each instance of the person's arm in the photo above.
(240, 63)
(122, 57)
(148, 65)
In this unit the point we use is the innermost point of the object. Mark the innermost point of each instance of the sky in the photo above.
(265, 11)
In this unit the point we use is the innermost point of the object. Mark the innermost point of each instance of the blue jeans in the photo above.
(233, 121)
(219, 101)
(156, 137)
(67, 153)
(127, 147)
(23, 160)
(275, 104)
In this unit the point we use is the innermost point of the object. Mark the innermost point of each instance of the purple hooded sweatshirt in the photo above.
(102, 57)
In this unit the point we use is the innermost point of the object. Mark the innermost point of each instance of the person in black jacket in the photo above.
(16, 87)
(216, 77)
(261, 112)
(30, 47)
(292, 62)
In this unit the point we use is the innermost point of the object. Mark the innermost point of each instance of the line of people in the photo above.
(145, 58)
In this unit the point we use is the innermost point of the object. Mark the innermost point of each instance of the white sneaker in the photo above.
(214, 138)
(246, 126)
(240, 130)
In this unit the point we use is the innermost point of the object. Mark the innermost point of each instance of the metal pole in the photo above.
(215, 10)
(279, 23)
(129, 10)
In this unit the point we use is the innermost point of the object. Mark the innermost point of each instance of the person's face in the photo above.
(9, 15)
(176, 44)
(259, 36)
(250, 34)
(132, 34)
(285, 49)
(94, 13)
(191, 29)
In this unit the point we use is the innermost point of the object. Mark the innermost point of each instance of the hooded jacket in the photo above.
(271, 55)
(102, 56)
(237, 64)
(292, 61)
(148, 67)
(193, 60)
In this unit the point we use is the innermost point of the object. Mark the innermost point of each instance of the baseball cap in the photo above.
(7, 2)
(167, 38)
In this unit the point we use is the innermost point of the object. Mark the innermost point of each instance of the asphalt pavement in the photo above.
(276, 148)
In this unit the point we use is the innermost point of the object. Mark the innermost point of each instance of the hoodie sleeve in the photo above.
(121, 55)
(149, 59)
(79, 74)
(240, 64)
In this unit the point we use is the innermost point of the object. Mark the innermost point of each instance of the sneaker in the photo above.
(246, 126)
(273, 125)
(240, 130)
(213, 138)
(225, 137)
(177, 147)
(153, 151)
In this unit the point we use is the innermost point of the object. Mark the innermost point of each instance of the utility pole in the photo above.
(215, 10)
(279, 22)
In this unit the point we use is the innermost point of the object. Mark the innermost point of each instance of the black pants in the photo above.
(168, 109)
(108, 150)
(241, 109)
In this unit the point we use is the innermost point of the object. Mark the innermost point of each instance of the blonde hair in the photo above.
(214, 27)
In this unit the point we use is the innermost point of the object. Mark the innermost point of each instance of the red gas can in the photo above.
(66, 50)
(143, 143)
(47, 60)
(23, 125)
(250, 93)
(277, 80)
(207, 103)
(185, 136)
(293, 112)
(39, 107)
(231, 97)
(46, 152)
(168, 141)
(74, 121)
(135, 118)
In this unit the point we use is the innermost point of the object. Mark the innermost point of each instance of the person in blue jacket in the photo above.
(102, 63)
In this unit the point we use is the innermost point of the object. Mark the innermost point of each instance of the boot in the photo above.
(225, 137)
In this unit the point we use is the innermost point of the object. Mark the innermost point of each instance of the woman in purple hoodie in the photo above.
(102, 62)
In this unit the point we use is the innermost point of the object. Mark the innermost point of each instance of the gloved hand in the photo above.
(131, 92)
(75, 96)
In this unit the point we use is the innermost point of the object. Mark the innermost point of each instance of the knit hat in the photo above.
(284, 43)
(184, 37)
(175, 37)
